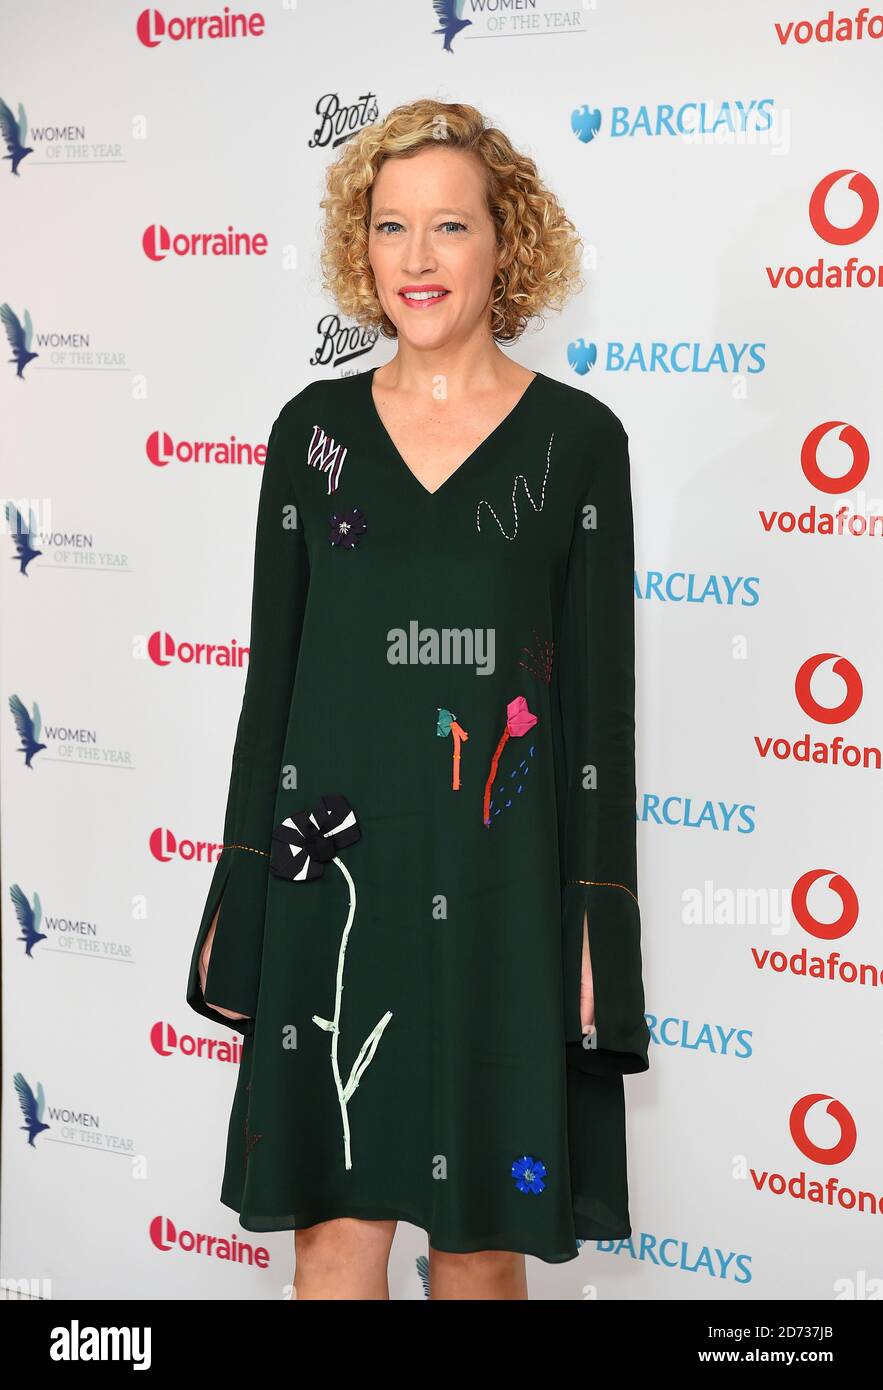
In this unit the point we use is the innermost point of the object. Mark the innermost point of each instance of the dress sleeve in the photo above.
(595, 664)
(239, 882)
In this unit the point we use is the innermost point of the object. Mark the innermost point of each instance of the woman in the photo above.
(432, 800)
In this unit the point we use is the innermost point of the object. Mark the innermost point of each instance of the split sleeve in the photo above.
(595, 664)
(240, 879)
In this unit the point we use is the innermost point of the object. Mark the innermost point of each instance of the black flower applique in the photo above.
(307, 840)
(346, 528)
(302, 845)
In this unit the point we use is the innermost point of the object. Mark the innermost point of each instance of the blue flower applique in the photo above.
(528, 1174)
(346, 528)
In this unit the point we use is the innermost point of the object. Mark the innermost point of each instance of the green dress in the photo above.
(433, 778)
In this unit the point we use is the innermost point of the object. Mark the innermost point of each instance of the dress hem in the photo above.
(383, 1213)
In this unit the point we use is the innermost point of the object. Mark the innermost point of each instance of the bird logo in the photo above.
(29, 727)
(20, 338)
(447, 12)
(24, 535)
(29, 918)
(32, 1107)
(13, 133)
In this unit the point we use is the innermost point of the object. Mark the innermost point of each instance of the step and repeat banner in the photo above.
(161, 299)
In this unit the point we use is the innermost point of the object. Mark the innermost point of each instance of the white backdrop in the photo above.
(760, 1073)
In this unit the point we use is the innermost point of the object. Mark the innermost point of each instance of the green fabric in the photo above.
(468, 934)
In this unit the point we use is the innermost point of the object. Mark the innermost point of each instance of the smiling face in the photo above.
(432, 246)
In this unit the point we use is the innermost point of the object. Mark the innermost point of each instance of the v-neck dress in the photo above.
(433, 779)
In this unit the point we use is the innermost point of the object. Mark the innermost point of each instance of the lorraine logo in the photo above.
(29, 728)
(29, 918)
(32, 1107)
(20, 338)
(448, 13)
(582, 357)
(152, 27)
(13, 132)
(585, 123)
(23, 534)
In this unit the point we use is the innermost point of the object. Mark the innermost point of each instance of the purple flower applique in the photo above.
(346, 528)
(528, 1174)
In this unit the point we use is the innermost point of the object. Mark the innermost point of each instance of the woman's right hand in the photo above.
(204, 958)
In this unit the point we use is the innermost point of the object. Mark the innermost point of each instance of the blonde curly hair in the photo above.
(540, 253)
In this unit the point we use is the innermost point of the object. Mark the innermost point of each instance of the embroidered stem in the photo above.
(495, 762)
(369, 1046)
(459, 736)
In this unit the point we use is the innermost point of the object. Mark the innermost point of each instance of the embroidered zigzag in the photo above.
(327, 456)
(519, 477)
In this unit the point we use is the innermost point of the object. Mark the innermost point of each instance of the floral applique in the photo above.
(507, 790)
(302, 845)
(529, 1174)
(447, 724)
(347, 528)
(539, 661)
(519, 719)
(519, 477)
(326, 455)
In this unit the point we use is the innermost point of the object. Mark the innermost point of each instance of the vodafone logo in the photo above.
(869, 209)
(859, 516)
(164, 650)
(164, 847)
(166, 1041)
(840, 926)
(825, 1191)
(162, 449)
(852, 439)
(165, 1236)
(153, 28)
(821, 964)
(158, 243)
(852, 681)
(835, 752)
(829, 275)
(846, 1142)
